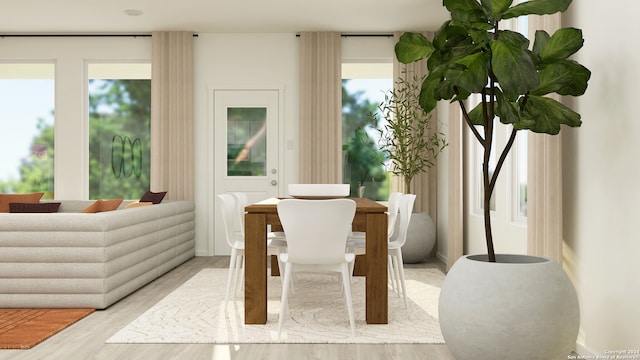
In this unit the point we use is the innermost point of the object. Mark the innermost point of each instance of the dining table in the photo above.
(370, 217)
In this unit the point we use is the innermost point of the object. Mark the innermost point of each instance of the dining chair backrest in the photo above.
(392, 210)
(316, 230)
(405, 209)
(227, 206)
(241, 201)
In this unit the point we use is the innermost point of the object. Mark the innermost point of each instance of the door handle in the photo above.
(274, 183)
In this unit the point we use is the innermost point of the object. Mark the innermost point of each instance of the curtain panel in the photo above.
(320, 132)
(172, 128)
(544, 172)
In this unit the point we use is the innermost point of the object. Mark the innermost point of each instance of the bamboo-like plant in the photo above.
(470, 54)
(405, 138)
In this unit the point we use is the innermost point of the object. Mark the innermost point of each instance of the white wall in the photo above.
(239, 60)
(601, 179)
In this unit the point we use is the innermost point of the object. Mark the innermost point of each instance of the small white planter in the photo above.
(521, 307)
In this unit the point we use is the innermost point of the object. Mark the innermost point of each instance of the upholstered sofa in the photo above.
(72, 259)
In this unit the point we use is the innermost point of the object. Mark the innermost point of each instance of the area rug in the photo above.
(25, 328)
(196, 313)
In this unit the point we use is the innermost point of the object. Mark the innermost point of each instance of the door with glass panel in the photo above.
(246, 132)
(246, 144)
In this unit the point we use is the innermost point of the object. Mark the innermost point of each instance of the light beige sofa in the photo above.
(70, 259)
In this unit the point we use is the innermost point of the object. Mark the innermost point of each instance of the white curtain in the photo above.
(320, 157)
(544, 204)
(455, 215)
(172, 149)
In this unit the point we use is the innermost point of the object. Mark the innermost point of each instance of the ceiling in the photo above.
(219, 16)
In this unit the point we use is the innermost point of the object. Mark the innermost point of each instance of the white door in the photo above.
(247, 147)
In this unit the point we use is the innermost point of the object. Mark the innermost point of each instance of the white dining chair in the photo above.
(228, 213)
(316, 232)
(356, 241)
(241, 202)
(396, 241)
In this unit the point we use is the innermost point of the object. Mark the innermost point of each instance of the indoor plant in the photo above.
(404, 138)
(470, 54)
(407, 141)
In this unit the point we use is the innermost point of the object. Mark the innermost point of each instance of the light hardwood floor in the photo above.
(86, 339)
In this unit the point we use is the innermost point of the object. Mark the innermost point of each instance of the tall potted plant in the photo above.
(505, 306)
(406, 140)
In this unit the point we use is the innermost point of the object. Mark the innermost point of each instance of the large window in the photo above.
(26, 128)
(363, 88)
(119, 130)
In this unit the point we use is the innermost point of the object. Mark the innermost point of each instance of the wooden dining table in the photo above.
(370, 218)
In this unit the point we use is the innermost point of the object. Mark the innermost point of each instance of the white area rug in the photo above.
(195, 313)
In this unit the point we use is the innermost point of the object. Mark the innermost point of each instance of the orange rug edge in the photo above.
(34, 331)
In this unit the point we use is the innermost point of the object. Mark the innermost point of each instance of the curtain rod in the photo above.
(78, 35)
(361, 35)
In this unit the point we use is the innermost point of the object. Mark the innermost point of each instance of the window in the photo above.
(119, 130)
(363, 88)
(26, 123)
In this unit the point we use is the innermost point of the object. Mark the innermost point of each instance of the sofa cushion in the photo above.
(46, 207)
(154, 197)
(138, 204)
(102, 205)
(6, 199)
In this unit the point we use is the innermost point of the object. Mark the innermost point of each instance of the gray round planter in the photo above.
(521, 307)
(421, 238)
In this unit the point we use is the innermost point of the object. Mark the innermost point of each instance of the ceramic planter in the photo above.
(521, 307)
(421, 238)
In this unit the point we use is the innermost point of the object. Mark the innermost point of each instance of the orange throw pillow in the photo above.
(6, 199)
(102, 205)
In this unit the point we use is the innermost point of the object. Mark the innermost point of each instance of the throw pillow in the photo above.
(102, 205)
(136, 204)
(154, 197)
(46, 207)
(6, 199)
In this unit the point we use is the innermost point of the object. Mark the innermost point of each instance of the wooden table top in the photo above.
(363, 205)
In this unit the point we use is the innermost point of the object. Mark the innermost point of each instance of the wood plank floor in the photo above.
(86, 339)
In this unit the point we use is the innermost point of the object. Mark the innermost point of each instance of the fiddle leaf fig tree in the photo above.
(471, 54)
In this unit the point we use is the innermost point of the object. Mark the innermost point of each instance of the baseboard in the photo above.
(442, 257)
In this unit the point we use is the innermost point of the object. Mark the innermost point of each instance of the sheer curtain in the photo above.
(320, 157)
(544, 205)
(172, 149)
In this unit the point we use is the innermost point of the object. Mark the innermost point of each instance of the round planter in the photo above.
(520, 307)
(421, 238)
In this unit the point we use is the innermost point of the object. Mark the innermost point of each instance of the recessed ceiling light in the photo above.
(133, 12)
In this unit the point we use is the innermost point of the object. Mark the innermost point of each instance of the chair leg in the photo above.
(230, 275)
(239, 274)
(285, 292)
(400, 270)
(346, 281)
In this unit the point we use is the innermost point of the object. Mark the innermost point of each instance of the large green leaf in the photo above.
(427, 98)
(537, 7)
(542, 37)
(562, 44)
(565, 77)
(547, 115)
(413, 47)
(495, 8)
(505, 109)
(513, 67)
(476, 115)
(465, 11)
(472, 74)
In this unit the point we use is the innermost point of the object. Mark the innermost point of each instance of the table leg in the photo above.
(376, 269)
(255, 269)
